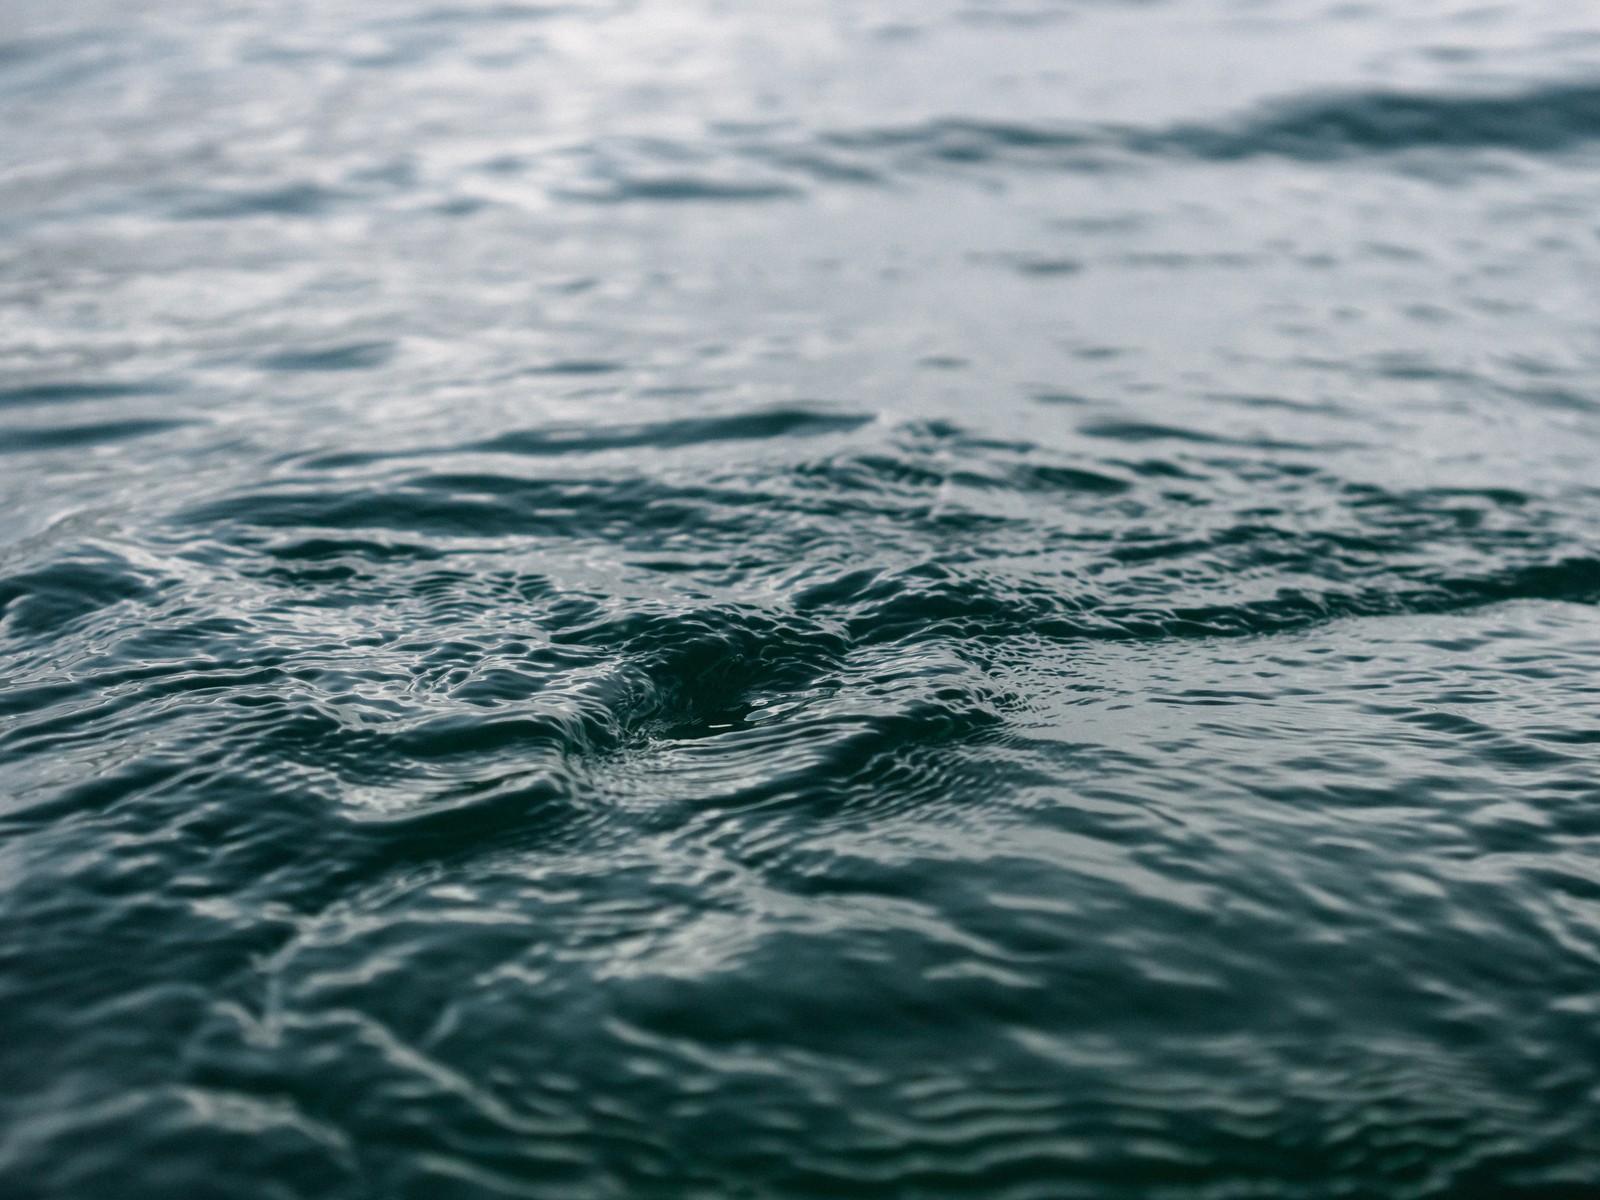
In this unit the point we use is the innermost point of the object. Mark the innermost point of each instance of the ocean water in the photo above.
(680, 599)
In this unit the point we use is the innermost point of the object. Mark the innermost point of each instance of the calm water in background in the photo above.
(676, 599)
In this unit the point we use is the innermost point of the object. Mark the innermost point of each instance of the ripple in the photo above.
(1546, 118)
(740, 427)
(1543, 119)
(354, 356)
(51, 596)
(64, 437)
(38, 394)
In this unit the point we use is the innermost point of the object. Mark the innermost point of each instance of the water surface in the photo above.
(659, 598)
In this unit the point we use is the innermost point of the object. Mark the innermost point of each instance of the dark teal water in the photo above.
(660, 598)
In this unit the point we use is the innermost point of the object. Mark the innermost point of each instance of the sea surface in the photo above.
(691, 600)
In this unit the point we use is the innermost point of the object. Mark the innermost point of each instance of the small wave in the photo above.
(66, 437)
(750, 426)
(288, 200)
(682, 189)
(478, 506)
(351, 356)
(577, 366)
(45, 599)
(1539, 120)
(959, 142)
(30, 395)
(1146, 431)
(553, 441)
(1544, 119)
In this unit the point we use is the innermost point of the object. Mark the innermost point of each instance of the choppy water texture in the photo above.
(663, 598)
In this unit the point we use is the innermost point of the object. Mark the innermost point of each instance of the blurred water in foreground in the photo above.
(680, 599)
